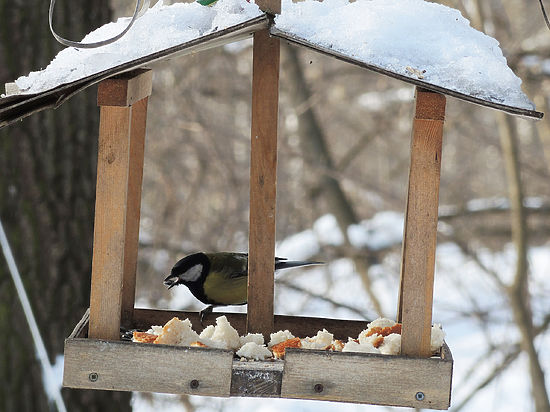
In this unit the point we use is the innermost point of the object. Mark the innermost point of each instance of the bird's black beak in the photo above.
(171, 281)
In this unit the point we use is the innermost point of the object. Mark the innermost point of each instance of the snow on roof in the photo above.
(161, 27)
(414, 38)
(419, 42)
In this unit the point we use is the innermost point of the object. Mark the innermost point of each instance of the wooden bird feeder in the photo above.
(96, 358)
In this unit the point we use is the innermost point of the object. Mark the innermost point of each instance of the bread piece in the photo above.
(437, 337)
(251, 350)
(279, 348)
(279, 337)
(143, 337)
(322, 341)
(337, 345)
(224, 332)
(257, 338)
(177, 332)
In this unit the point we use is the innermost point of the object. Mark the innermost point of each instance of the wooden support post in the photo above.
(123, 102)
(263, 182)
(419, 239)
(270, 6)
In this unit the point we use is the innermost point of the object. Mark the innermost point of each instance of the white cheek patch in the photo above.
(192, 274)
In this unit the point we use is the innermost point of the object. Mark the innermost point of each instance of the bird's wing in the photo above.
(225, 290)
(231, 265)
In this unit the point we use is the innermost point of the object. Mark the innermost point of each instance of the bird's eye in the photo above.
(193, 273)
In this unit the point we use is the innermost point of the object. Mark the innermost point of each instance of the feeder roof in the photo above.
(422, 43)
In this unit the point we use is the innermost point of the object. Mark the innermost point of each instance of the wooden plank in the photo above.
(257, 379)
(127, 366)
(118, 200)
(420, 232)
(135, 180)
(110, 221)
(263, 182)
(367, 378)
(299, 325)
(125, 89)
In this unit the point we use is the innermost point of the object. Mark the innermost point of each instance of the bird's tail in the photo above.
(285, 264)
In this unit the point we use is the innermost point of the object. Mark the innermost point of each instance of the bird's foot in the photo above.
(205, 311)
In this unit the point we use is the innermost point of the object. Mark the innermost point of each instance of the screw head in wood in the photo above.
(420, 396)
(318, 388)
(93, 377)
(194, 384)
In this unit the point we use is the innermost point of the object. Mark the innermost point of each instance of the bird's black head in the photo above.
(189, 270)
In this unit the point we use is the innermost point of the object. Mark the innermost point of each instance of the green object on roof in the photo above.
(206, 2)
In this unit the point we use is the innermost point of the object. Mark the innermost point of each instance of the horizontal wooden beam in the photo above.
(124, 366)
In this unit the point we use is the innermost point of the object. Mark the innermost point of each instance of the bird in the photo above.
(219, 278)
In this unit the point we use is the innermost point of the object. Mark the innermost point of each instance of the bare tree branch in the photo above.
(306, 292)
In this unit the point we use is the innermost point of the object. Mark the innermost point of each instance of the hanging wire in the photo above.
(544, 14)
(52, 391)
(141, 7)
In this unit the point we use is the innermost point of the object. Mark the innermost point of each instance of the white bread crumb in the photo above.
(438, 335)
(337, 345)
(177, 332)
(279, 337)
(207, 332)
(367, 340)
(391, 345)
(155, 330)
(352, 346)
(251, 350)
(224, 332)
(257, 338)
(381, 323)
(322, 340)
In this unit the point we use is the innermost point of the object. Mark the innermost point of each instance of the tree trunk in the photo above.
(47, 190)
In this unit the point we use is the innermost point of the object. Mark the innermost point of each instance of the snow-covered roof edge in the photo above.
(417, 82)
(17, 107)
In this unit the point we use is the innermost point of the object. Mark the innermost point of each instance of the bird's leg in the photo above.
(203, 312)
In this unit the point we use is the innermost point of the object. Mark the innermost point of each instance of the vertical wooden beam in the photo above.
(123, 102)
(263, 182)
(270, 6)
(135, 179)
(419, 239)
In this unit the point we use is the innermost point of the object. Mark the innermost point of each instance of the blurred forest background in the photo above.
(343, 159)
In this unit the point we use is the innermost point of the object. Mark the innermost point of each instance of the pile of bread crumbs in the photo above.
(382, 336)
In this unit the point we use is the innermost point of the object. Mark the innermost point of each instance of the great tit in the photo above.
(219, 279)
